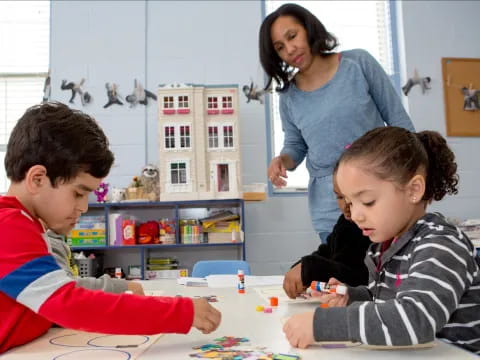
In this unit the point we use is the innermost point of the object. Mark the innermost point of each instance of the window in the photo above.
(169, 137)
(227, 107)
(183, 102)
(212, 105)
(178, 173)
(24, 61)
(356, 24)
(228, 136)
(177, 134)
(220, 131)
(213, 137)
(184, 136)
(168, 105)
(183, 107)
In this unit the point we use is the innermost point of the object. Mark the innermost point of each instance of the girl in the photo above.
(330, 101)
(424, 281)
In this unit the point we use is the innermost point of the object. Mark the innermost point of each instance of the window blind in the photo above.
(24, 61)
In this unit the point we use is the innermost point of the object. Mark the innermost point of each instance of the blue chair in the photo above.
(208, 267)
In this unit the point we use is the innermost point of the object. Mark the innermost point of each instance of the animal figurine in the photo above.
(113, 96)
(150, 180)
(424, 83)
(139, 95)
(101, 192)
(118, 194)
(76, 88)
(252, 93)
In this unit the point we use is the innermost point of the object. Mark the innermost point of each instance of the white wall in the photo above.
(432, 30)
(215, 42)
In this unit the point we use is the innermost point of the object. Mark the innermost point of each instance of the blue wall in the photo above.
(215, 42)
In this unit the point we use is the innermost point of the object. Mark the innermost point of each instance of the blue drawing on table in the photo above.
(91, 342)
(123, 355)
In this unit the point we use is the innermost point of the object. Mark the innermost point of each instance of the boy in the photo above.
(55, 157)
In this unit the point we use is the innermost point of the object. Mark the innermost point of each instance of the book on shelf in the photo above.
(223, 216)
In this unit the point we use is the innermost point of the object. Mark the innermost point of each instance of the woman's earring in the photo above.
(414, 199)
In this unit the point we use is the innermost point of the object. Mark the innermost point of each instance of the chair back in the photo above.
(209, 267)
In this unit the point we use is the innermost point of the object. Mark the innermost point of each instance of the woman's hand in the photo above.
(277, 171)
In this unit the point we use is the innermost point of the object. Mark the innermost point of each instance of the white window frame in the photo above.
(168, 102)
(177, 138)
(213, 138)
(221, 136)
(170, 138)
(183, 102)
(175, 188)
(385, 54)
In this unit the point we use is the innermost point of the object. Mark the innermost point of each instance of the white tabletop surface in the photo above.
(240, 319)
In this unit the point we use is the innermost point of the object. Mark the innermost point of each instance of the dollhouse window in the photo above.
(212, 105)
(168, 102)
(182, 102)
(168, 105)
(213, 137)
(169, 137)
(183, 107)
(184, 136)
(227, 107)
(228, 136)
(178, 173)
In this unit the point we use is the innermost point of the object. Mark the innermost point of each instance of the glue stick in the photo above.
(241, 282)
(322, 286)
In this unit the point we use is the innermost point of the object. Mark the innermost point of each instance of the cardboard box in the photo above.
(222, 237)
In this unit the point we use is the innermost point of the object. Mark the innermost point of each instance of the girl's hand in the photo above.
(332, 299)
(299, 330)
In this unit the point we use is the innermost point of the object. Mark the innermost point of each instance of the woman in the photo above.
(330, 101)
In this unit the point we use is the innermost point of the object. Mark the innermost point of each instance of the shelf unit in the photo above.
(176, 210)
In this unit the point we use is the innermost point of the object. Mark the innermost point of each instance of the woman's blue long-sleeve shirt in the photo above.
(319, 124)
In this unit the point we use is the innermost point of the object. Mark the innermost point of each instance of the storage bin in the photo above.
(87, 267)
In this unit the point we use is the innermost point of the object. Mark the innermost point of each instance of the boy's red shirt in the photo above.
(35, 292)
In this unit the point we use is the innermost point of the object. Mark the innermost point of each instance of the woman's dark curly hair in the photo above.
(396, 154)
(320, 40)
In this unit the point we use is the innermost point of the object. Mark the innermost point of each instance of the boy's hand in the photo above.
(205, 317)
(299, 330)
(332, 299)
(135, 287)
(292, 282)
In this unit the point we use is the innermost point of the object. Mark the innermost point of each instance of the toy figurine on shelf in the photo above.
(148, 233)
(150, 180)
(139, 95)
(101, 192)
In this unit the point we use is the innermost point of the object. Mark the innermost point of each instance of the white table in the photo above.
(240, 319)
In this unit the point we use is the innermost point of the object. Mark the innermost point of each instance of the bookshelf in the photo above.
(117, 254)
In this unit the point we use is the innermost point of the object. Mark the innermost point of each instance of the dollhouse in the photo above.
(199, 145)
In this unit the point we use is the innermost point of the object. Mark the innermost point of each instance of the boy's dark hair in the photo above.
(396, 154)
(320, 40)
(63, 140)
